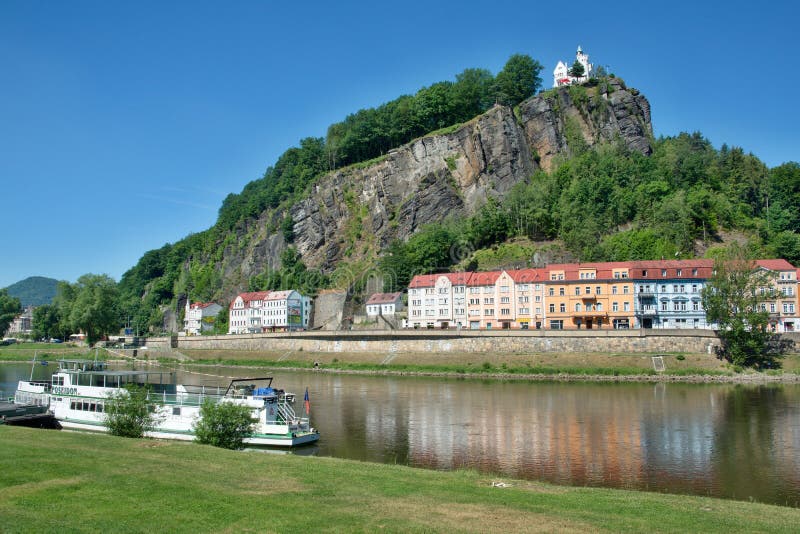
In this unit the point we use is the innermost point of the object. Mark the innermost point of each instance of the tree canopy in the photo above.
(9, 309)
(735, 299)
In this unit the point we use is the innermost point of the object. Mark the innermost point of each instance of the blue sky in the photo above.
(123, 125)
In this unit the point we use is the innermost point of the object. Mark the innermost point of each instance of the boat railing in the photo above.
(183, 399)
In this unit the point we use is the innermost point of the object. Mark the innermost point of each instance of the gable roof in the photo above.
(384, 298)
(776, 265)
(247, 298)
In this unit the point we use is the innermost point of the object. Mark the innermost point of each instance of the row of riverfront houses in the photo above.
(617, 295)
(632, 294)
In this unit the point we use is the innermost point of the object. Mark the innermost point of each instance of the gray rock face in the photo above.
(612, 112)
(447, 175)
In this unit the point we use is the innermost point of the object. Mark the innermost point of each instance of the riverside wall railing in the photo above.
(466, 341)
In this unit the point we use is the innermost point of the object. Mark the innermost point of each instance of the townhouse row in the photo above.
(619, 295)
(269, 311)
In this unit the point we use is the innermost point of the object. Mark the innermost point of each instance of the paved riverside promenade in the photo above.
(459, 341)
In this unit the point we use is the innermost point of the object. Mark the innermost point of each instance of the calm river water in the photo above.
(732, 441)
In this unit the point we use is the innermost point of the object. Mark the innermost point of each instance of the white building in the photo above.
(266, 311)
(22, 324)
(561, 75)
(438, 300)
(200, 316)
(384, 304)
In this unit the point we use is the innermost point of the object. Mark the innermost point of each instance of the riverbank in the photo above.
(678, 367)
(94, 482)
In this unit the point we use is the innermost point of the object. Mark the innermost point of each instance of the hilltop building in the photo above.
(561, 74)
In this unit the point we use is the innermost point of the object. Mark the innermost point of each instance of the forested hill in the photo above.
(34, 290)
(506, 179)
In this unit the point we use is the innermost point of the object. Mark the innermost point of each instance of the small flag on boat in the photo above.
(306, 403)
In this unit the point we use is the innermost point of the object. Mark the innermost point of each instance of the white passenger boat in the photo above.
(77, 392)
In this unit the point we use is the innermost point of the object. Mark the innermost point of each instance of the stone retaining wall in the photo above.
(418, 341)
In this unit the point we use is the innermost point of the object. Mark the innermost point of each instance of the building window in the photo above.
(625, 290)
(503, 289)
(577, 290)
(626, 306)
(561, 291)
(562, 307)
(613, 290)
(680, 272)
(505, 311)
(663, 273)
(557, 324)
(614, 307)
(552, 292)
(597, 290)
(577, 306)
(599, 306)
(552, 308)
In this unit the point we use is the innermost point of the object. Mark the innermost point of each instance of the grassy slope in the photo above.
(64, 481)
(512, 363)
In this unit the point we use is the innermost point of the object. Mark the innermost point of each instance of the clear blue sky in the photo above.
(123, 125)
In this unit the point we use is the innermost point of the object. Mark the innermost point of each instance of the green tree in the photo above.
(221, 323)
(93, 310)
(224, 424)
(130, 412)
(518, 80)
(577, 70)
(9, 308)
(733, 299)
(47, 323)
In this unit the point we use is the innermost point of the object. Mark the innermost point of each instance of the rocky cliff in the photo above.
(354, 212)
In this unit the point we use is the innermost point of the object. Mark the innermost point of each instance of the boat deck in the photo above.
(26, 415)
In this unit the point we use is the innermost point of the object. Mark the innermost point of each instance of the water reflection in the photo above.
(724, 440)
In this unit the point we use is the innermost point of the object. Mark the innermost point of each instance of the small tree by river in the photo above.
(129, 413)
(224, 424)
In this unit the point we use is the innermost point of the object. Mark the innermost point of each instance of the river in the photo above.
(724, 440)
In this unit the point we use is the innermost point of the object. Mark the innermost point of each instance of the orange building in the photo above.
(589, 295)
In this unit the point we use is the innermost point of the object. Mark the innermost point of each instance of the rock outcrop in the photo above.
(360, 209)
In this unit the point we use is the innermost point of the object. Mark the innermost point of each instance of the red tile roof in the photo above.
(201, 305)
(487, 278)
(384, 298)
(775, 265)
(249, 297)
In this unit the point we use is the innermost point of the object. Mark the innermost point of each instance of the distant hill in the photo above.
(34, 290)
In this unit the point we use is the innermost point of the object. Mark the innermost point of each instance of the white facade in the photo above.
(561, 75)
(384, 304)
(193, 320)
(266, 311)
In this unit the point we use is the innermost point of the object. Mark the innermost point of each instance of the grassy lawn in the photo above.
(25, 351)
(54, 481)
(471, 363)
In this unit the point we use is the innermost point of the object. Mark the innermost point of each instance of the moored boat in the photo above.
(78, 391)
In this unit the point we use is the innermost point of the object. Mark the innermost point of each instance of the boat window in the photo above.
(176, 410)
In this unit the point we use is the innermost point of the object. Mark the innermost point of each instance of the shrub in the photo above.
(223, 424)
(680, 357)
(129, 413)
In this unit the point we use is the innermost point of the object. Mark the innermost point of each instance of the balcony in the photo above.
(647, 312)
(646, 295)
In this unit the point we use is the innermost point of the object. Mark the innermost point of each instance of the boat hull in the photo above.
(264, 440)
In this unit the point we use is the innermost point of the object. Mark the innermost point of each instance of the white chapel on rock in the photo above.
(561, 72)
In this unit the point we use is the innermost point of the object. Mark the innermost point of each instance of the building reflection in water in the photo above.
(732, 441)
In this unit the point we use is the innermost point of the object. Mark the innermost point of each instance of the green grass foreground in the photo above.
(54, 481)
